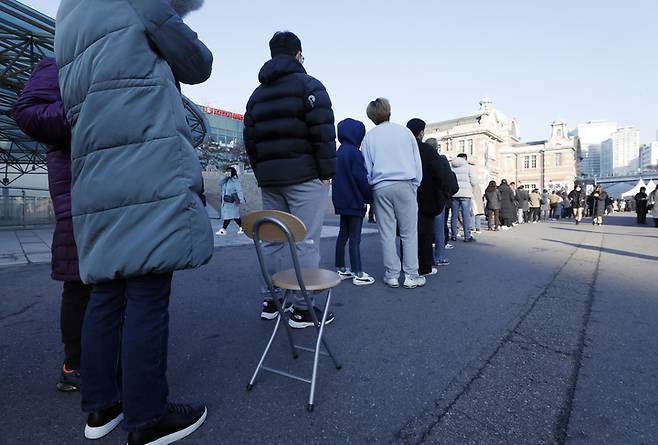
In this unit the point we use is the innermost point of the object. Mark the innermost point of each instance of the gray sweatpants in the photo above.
(308, 202)
(396, 206)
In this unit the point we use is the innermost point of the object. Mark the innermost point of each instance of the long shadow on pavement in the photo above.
(400, 349)
(606, 250)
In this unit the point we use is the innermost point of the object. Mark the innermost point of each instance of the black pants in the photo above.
(536, 213)
(238, 221)
(75, 296)
(350, 229)
(446, 231)
(425, 240)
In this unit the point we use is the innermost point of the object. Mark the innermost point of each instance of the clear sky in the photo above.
(539, 60)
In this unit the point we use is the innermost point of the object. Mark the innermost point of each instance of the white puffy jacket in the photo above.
(466, 177)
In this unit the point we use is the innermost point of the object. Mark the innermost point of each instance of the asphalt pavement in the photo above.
(542, 334)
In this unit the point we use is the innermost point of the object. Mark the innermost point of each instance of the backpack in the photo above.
(543, 200)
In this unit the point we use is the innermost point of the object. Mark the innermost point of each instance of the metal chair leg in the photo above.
(262, 359)
(324, 342)
(316, 358)
(282, 315)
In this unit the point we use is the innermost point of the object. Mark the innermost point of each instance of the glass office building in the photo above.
(225, 128)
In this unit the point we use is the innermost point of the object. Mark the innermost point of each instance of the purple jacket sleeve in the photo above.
(39, 110)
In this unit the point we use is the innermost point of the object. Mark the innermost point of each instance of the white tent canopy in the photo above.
(635, 190)
(651, 186)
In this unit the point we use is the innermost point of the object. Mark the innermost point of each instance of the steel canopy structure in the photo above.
(26, 37)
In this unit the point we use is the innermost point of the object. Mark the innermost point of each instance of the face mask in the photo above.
(577, 189)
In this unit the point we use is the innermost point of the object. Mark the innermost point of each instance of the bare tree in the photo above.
(215, 155)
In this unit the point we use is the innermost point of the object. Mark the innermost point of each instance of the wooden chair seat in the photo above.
(314, 280)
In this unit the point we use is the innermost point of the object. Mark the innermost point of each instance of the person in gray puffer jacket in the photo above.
(467, 179)
(136, 205)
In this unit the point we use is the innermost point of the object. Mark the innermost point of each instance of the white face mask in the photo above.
(184, 7)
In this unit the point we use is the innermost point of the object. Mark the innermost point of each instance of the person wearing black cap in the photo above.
(291, 143)
(438, 182)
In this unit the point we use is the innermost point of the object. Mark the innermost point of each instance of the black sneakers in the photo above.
(101, 423)
(69, 380)
(300, 319)
(179, 421)
(269, 311)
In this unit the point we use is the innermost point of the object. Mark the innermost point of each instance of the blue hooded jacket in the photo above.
(350, 187)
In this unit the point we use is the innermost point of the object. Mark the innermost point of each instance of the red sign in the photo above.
(218, 112)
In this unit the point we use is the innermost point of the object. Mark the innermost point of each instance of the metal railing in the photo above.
(22, 209)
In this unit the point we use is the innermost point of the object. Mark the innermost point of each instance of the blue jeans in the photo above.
(465, 205)
(440, 237)
(124, 349)
(350, 229)
(477, 222)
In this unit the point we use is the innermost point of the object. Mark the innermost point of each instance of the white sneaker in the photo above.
(392, 282)
(240, 231)
(363, 280)
(221, 232)
(449, 246)
(506, 228)
(433, 272)
(412, 283)
(346, 274)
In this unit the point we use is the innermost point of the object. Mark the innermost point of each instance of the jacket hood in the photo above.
(184, 7)
(279, 67)
(459, 162)
(351, 132)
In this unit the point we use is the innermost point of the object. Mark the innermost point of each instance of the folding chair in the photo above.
(281, 227)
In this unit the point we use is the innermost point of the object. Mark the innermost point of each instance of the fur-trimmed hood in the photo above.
(184, 7)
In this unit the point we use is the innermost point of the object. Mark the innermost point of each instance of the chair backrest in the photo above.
(269, 231)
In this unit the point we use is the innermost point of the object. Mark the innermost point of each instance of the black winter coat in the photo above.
(523, 198)
(289, 126)
(578, 199)
(598, 203)
(508, 202)
(439, 181)
(493, 199)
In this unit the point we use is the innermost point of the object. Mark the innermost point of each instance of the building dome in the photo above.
(486, 104)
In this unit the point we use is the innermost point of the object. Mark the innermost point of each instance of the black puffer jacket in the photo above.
(508, 202)
(578, 199)
(439, 181)
(289, 126)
